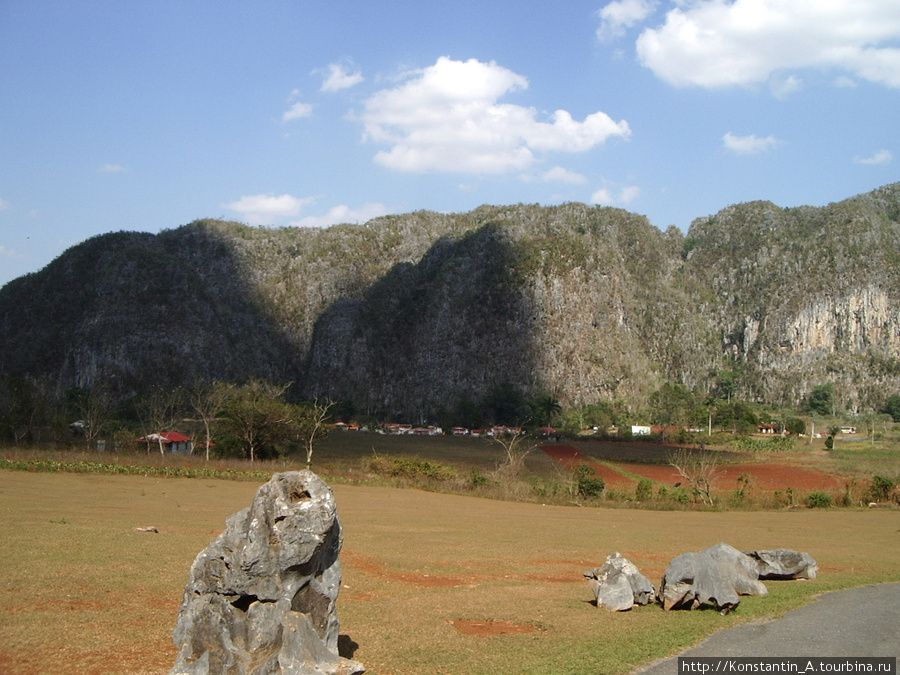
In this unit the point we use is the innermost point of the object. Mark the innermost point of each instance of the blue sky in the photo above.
(145, 115)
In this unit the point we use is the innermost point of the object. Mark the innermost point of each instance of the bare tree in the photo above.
(207, 400)
(516, 446)
(158, 410)
(699, 469)
(311, 424)
(95, 408)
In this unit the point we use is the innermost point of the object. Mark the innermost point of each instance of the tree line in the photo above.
(260, 419)
(254, 420)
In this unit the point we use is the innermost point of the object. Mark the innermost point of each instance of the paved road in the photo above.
(862, 621)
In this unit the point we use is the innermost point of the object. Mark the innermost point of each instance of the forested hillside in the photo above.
(410, 315)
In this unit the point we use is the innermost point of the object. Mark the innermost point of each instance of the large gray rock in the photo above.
(739, 568)
(782, 563)
(261, 597)
(618, 585)
(716, 576)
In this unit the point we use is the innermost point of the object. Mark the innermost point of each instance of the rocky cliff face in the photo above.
(408, 315)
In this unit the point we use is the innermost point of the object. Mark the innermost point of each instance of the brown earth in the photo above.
(773, 473)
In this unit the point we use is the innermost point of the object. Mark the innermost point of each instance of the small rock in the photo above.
(782, 563)
(618, 585)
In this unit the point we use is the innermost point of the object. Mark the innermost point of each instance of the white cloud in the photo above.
(297, 111)
(344, 214)
(447, 118)
(337, 77)
(782, 87)
(559, 174)
(748, 145)
(622, 14)
(880, 157)
(112, 168)
(259, 209)
(3, 204)
(607, 196)
(714, 43)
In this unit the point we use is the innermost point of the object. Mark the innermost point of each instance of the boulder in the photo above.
(618, 585)
(740, 569)
(716, 576)
(782, 563)
(261, 597)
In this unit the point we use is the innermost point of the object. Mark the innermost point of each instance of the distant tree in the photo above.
(546, 408)
(675, 404)
(207, 399)
(821, 400)
(737, 416)
(794, 426)
(257, 414)
(892, 407)
(725, 386)
(25, 407)
(310, 424)
(94, 410)
(506, 404)
(159, 409)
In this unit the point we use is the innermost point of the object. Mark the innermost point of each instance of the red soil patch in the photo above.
(766, 475)
(371, 565)
(490, 627)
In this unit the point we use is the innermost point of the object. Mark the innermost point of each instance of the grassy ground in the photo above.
(86, 593)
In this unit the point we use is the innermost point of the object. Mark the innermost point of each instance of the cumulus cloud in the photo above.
(559, 174)
(260, 209)
(715, 43)
(880, 157)
(297, 111)
(447, 117)
(337, 76)
(615, 196)
(748, 145)
(344, 214)
(618, 16)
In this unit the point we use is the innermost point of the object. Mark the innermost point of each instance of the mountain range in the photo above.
(407, 315)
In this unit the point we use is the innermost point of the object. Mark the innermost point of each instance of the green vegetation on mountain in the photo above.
(420, 316)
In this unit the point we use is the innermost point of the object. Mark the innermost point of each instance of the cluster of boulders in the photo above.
(715, 577)
(261, 598)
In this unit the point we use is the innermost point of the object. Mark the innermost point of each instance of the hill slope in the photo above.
(410, 314)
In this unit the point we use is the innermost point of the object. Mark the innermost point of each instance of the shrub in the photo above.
(587, 484)
(818, 500)
(881, 489)
(413, 468)
(644, 490)
(477, 479)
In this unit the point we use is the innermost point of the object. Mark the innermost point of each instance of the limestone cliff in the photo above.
(410, 314)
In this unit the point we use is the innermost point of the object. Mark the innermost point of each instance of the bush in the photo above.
(881, 489)
(644, 490)
(413, 468)
(587, 484)
(477, 480)
(818, 500)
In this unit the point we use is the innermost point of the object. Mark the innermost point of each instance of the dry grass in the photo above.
(85, 593)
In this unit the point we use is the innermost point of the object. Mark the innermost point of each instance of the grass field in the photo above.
(86, 593)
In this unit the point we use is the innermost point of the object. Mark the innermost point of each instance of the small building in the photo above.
(173, 442)
(640, 430)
